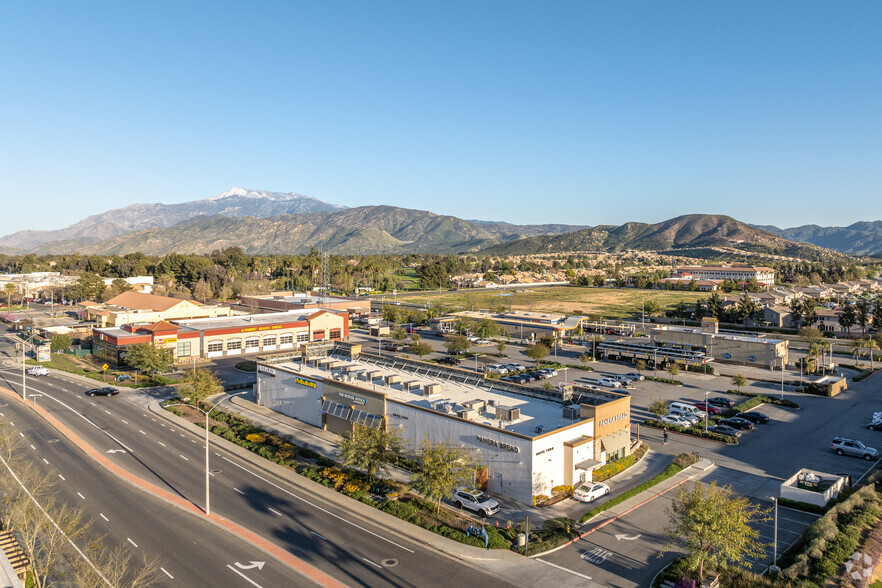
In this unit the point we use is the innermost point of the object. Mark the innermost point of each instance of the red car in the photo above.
(708, 408)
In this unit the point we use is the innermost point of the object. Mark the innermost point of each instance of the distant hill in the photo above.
(688, 231)
(362, 230)
(861, 238)
(113, 223)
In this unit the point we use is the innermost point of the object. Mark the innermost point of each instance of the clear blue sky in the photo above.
(527, 112)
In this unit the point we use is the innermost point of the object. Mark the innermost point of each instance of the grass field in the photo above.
(408, 275)
(617, 303)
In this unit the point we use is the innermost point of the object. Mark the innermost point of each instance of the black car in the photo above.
(722, 402)
(102, 392)
(737, 423)
(875, 426)
(449, 361)
(724, 430)
(757, 418)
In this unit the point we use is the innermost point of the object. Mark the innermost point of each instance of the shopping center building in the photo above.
(225, 336)
(527, 440)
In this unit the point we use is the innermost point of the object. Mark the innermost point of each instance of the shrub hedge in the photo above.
(694, 430)
(612, 468)
(664, 380)
(766, 399)
(669, 471)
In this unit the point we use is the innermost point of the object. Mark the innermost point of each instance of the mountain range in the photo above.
(861, 238)
(273, 222)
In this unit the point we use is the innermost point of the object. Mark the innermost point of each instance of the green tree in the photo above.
(89, 286)
(640, 365)
(500, 347)
(148, 358)
(486, 329)
(399, 334)
(863, 314)
(391, 314)
(457, 344)
(673, 369)
(652, 308)
(871, 345)
(420, 349)
(716, 526)
(369, 449)
(715, 306)
(202, 291)
(658, 407)
(746, 308)
(60, 342)
(442, 469)
(848, 318)
(199, 384)
(877, 313)
(739, 381)
(536, 352)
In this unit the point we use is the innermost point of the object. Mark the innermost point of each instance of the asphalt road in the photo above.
(193, 554)
(354, 551)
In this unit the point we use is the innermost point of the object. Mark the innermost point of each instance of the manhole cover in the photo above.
(389, 563)
(215, 471)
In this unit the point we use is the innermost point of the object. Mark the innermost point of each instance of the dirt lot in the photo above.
(594, 302)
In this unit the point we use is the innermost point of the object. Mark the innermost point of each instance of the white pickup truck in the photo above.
(37, 370)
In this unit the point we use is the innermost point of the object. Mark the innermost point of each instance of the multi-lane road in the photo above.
(192, 552)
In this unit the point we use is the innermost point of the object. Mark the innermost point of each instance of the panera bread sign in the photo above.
(500, 444)
(612, 419)
(303, 382)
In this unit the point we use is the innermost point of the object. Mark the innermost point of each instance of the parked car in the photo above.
(37, 370)
(514, 367)
(609, 383)
(497, 369)
(673, 419)
(635, 376)
(107, 391)
(476, 501)
(843, 446)
(722, 402)
(725, 430)
(528, 377)
(447, 360)
(875, 425)
(683, 408)
(737, 423)
(708, 408)
(756, 418)
(539, 375)
(550, 371)
(590, 491)
(686, 416)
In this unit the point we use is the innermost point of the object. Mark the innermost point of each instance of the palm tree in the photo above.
(871, 345)
(856, 347)
(10, 290)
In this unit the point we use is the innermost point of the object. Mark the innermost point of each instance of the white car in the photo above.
(37, 370)
(609, 383)
(673, 419)
(634, 376)
(590, 491)
(477, 501)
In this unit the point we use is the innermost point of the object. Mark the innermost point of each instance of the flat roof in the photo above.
(534, 412)
(250, 320)
(727, 336)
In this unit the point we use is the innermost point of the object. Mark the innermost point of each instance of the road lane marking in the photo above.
(316, 506)
(239, 491)
(182, 435)
(108, 412)
(20, 433)
(161, 443)
(62, 477)
(101, 514)
(81, 496)
(85, 418)
(124, 421)
(142, 432)
(252, 582)
(376, 565)
(167, 574)
(93, 404)
(182, 457)
(44, 461)
(11, 423)
(323, 538)
(554, 565)
(132, 542)
(274, 511)
(34, 448)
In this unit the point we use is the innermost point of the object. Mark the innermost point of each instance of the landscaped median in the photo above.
(696, 430)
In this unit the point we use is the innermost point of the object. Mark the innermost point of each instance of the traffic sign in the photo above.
(104, 367)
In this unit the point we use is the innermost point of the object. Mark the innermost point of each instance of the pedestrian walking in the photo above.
(666, 436)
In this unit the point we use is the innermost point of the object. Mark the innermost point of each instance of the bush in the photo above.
(307, 453)
(324, 461)
(615, 467)
(695, 431)
(766, 399)
(664, 380)
(684, 460)
(562, 490)
(247, 366)
(803, 506)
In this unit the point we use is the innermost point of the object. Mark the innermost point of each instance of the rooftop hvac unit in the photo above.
(539, 429)
(467, 414)
(573, 412)
(476, 405)
(492, 402)
(508, 413)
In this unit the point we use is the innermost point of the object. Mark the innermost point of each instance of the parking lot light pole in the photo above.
(774, 567)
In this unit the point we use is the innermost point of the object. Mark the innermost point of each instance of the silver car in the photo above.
(853, 447)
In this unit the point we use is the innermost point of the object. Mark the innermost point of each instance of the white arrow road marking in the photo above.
(116, 451)
(254, 564)
(627, 537)
(249, 580)
(596, 556)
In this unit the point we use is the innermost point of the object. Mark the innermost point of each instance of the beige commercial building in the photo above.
(137, 307)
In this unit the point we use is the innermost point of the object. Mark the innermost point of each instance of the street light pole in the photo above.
(774, 567)
(644, 316)
(706, 410)
(207, 463)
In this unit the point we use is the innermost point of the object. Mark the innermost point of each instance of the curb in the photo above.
(296, 564)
